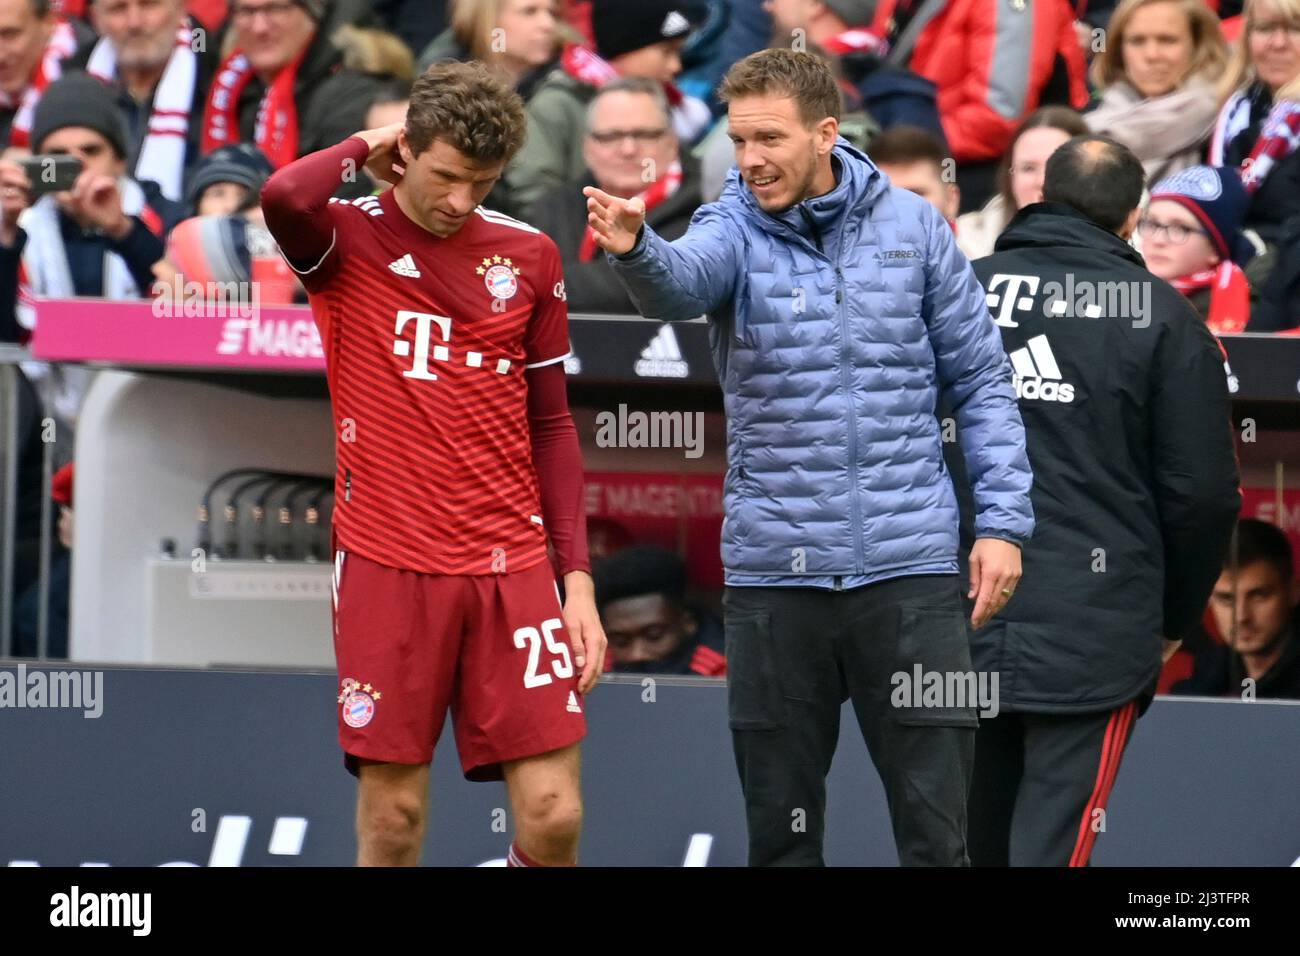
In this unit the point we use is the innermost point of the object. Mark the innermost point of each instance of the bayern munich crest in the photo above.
(499, 276)
(358, 702)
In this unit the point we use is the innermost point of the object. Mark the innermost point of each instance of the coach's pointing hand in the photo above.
(583, 624)
(616, 222)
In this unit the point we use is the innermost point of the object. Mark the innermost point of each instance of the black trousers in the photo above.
(794, 655)
(1041, 783)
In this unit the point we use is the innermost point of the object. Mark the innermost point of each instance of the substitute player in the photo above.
(445, 330)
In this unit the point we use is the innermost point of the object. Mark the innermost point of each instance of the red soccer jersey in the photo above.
(426, 341)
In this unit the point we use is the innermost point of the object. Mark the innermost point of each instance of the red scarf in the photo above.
(62, 44)
(657, 192)
(276, 129)
(1229, 295)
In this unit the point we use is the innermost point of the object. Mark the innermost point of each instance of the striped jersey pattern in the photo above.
(426, 342)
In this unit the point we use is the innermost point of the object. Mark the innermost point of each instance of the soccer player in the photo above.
(445, 332)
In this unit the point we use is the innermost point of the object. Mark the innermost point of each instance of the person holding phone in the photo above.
(72, 223)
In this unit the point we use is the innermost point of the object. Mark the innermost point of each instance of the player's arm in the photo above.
(557, 459)
(295, 200)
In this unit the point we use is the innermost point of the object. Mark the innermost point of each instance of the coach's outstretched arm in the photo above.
(974, 378)
(669, 281)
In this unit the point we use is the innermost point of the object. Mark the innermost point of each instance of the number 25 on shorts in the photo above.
(528, 636)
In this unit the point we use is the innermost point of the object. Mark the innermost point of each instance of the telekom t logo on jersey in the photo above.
(424, 323)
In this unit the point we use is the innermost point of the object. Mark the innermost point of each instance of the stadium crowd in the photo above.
(178, 113)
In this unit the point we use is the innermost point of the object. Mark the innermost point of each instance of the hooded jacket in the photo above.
(834, 328)
(1125, 404)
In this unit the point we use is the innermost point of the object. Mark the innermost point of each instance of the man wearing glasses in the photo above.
(631, 151)
(281, 87)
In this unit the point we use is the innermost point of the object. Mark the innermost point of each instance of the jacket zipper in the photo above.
(855, 508)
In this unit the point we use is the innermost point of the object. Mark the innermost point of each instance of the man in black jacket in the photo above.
(1125, 403)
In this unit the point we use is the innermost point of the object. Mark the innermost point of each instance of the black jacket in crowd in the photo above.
(1135, 476)
(593, 286)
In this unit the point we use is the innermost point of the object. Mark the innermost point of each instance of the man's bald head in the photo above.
(1097, 176)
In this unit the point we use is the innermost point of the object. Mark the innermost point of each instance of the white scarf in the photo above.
(1233, 118)
(45, 260)
(162, 155)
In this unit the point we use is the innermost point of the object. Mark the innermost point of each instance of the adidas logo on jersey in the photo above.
(1035, 374)
(405, 266)
(662, 358)
(573, 707)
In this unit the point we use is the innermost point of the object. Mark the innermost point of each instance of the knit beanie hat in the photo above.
(1216, 197)
(241, 163)
(620, 27)
(78, 99)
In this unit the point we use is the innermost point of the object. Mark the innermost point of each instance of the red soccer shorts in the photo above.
(493, 648)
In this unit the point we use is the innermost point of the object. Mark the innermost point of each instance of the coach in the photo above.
(840, 311)
(1125, 405)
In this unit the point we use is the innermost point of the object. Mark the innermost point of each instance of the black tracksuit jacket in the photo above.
(1125, 403)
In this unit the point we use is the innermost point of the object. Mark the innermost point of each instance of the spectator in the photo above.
(1020, 176)
(100, 238)
(1191, 235)
(994, 61)
(228, 180)
(159, 75)
(1255, 609)
(27, 606)
(1256, 126)
(520, 39)
(1156, 75)
(630, 151)
(892, 95)
(388, 107)
(644, 39)
(36, 43)
(284, 68)
(225, 245)
(641, 597)
(914, 160)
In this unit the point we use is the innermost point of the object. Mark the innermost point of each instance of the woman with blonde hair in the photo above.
(1157, 78)
(521, 39)
(1258, 129)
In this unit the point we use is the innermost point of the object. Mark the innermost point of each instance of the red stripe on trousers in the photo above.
(1112, 750)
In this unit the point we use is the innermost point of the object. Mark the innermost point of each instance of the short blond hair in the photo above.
(800, 75)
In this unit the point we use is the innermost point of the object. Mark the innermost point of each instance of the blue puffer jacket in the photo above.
(831, 365)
